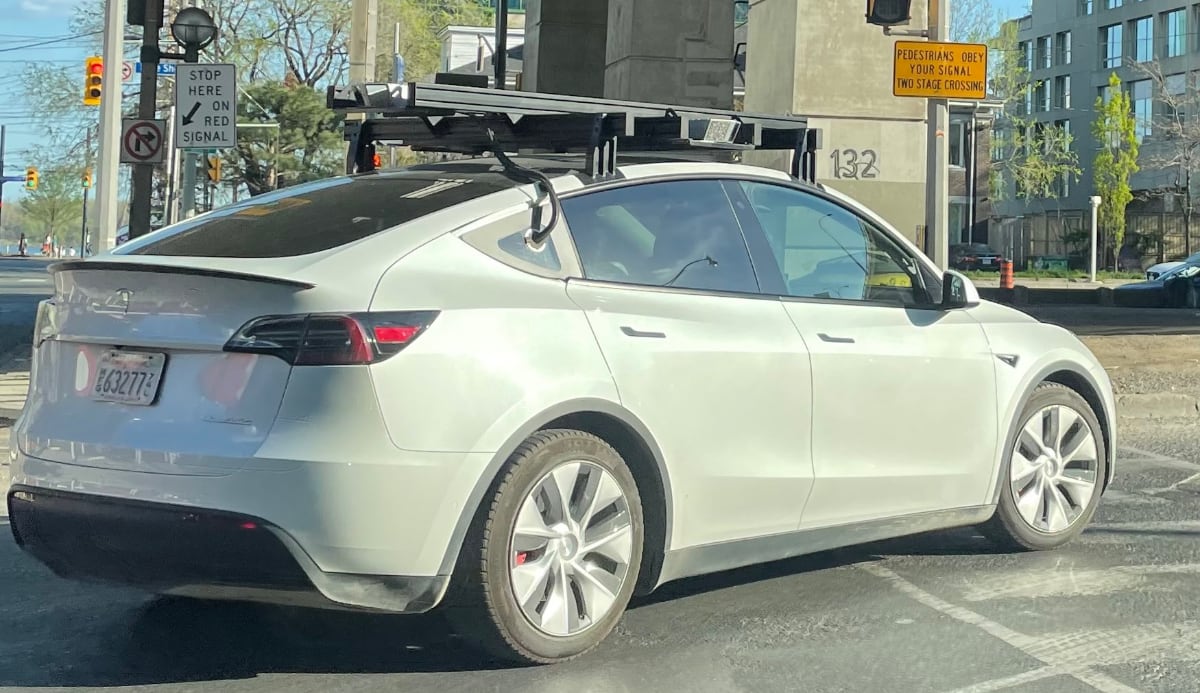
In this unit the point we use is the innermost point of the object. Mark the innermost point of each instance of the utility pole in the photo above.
(364, 30)
(937, 191)
(187, 188)
(143, 174)
(108, 167)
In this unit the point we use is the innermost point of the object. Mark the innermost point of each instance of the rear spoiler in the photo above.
(104, 266)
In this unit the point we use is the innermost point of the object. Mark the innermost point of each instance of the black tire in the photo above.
(482, 607)
(1006, 527)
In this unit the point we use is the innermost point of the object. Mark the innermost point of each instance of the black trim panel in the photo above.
(101, 265)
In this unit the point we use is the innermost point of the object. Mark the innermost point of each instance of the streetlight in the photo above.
(1095, 200)
(194, 29)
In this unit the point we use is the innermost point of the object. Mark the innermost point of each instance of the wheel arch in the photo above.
(630, 437)
(1081, 381)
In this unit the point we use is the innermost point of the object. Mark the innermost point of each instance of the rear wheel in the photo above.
(552, 560)
(1053, 472)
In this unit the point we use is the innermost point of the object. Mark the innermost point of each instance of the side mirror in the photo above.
(958, 291)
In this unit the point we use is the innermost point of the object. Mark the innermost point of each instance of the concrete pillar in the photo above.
(671, 51)
(821, 59)
(565, 43)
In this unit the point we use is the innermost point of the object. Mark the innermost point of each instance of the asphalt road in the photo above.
(1116, 611)
(23, 282)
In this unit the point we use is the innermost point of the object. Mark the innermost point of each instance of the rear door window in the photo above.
(316, 216)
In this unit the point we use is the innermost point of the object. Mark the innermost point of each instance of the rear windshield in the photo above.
(313, 217)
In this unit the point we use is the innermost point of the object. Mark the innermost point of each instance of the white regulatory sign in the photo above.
(205, 106)
(142, 141)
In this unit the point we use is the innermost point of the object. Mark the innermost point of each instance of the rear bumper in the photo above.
(181, 550)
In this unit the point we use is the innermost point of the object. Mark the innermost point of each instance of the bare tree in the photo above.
(1173, 148)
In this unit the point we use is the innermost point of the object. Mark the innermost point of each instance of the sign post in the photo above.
(205, 106)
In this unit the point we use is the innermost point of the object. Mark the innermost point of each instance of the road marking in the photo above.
(1070, 582)
(1172, 487)
(1038, 648)
(1014, 680)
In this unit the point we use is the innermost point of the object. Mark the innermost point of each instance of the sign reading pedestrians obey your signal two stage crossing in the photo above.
(205, 106)
(937, 70)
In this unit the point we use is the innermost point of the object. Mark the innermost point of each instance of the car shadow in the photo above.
(176, 640)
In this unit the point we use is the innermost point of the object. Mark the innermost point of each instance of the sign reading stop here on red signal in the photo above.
(937, 70)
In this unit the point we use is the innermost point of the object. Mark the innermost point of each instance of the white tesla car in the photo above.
(401, 390)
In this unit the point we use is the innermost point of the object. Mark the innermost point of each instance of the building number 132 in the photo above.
(854, 163)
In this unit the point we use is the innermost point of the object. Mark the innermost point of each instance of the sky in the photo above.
(24, 22)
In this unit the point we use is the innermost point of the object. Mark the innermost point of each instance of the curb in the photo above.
(1160, 405)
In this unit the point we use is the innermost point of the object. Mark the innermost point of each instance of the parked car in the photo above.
(1177, 287)
(522, 392)
(974, 256)
(1155, 271)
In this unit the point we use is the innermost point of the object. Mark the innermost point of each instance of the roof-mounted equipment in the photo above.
(474, 121)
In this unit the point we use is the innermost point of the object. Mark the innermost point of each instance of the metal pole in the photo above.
(87, 164)
(937, 192)
(3, 134)
(171, 198)
(143, 174)
(187, 192)
(500, 57)
(1095, 235)
(108, 169)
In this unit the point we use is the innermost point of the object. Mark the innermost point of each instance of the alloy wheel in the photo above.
(570, 548)
(1054, 469)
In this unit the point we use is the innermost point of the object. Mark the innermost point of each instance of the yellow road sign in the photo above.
(934, 70)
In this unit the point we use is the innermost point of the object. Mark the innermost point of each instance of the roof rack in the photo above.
(473, 121)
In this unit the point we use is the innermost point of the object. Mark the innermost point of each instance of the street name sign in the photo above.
(143, 141)
(940, 70)
(205, 106)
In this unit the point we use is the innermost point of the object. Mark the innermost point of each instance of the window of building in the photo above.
(959, 222)
(958, 143)
(1111, 40)
(1062, 48)
(1141, 93)
(1062, 91)
(1043, 52)
(1026, 50)
(1176, 33)
(1041, 97)
(1143, 39)
(1114, 4)
(1085, 7)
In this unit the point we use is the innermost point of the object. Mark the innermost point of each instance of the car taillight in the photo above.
(322, 339)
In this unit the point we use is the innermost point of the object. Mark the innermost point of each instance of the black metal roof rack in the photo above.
(474, 121)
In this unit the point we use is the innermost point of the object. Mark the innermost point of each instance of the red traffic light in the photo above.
(96, 69)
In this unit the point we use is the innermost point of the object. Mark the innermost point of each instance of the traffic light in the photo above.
(87, 179)
(214, 168)
(94, 81)
(889, 12)
(31, 178)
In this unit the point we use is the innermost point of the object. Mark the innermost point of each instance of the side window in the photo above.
(680, 234)
(826, 251)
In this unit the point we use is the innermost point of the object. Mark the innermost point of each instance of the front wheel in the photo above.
(552, 561)
(1054, 472)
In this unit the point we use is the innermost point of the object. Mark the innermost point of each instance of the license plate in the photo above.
(987, 260)
(128, 377)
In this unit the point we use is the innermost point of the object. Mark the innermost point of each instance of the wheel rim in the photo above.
(1054, 469)
(571, 546)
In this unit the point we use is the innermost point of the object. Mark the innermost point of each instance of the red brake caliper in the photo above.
(521, 556)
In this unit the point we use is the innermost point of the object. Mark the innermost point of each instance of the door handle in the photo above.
(631, 332)
(835, 340)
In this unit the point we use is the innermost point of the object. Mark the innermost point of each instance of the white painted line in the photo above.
(1026, 644)
(1012, 681)
(1173, 487)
